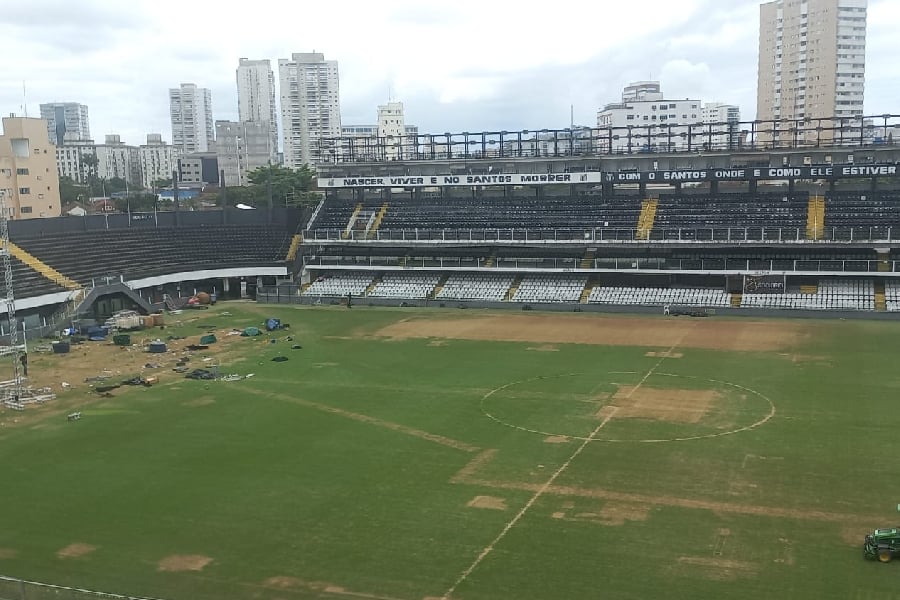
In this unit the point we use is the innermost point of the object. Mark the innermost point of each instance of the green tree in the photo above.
(139, 202)
(159, 184)
(116, 184)
(289, 186)
(70, 192)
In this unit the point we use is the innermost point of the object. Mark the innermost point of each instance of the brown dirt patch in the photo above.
(559, 515)
(664, 354)
(201, 401)
(616, 513)
(76, 550)
(282, 582)
(674, 406)
(556, 439)
(6, 553)
(184, 562)
(544, 348)
(437, 343)
(91, 359)
(606, 412)
(854, 536)
(719, 569)
(488, 502)
(733, 335)
(472, 467)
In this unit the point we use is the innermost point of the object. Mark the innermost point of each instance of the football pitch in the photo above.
(413, 454)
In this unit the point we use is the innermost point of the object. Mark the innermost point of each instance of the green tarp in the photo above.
(206, 340)
(250, 331)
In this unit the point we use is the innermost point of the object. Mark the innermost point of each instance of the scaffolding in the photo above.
(15, 393)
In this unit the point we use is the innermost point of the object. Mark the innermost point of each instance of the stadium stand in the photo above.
(892, 295)
(476, 286)
(490, 213)
(650, 296)
(549, 287)
(693, 213)
(341, 284)
(29, 283)
(832, 294)
(855, 215)
(415, 286)
(148, 252)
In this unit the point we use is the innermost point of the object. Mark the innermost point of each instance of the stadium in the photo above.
(712, 418)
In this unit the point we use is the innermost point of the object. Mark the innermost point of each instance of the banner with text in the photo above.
(664, 177)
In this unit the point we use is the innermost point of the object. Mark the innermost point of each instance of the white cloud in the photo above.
(465, 65)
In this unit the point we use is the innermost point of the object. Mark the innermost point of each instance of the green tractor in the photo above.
(883, 544)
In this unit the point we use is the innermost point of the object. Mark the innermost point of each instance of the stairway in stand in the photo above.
(736, 300)
(815, 218)
(372, 285)
(880, 299)
(586, 292)
(437, 289)
(43, 268)
(647, 218)
(513, 288)
(351, 222)
(587, 262)
(371, 233)
(809, 289)
(296, 240)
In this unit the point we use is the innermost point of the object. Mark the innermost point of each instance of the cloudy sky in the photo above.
(458, 66)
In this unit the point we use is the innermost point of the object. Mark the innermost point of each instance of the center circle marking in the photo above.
(763, 420)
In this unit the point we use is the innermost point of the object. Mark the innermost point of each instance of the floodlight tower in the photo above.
(12, 390)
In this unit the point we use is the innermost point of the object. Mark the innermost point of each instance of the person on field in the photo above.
(24, 360)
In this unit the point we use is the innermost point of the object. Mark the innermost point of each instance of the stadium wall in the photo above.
(292, 217)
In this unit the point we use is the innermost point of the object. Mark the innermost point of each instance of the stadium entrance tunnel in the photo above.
(661, 407)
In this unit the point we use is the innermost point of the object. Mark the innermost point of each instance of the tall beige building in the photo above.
(310, 108)
(812, 65)
(29, 182)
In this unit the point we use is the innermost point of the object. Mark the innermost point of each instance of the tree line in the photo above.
(283, 185)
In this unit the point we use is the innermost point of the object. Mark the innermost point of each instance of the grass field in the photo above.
(407, 454)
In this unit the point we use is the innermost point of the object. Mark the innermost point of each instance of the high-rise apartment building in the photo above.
(310, 108)
(241, 148)
(812, 65)
(157, 159)
(190, 109)
(256, 97)
(66, 121)
(29, 183)
(723, 123)
(392, 127)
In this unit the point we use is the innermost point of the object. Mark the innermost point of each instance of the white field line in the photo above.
(543, 489)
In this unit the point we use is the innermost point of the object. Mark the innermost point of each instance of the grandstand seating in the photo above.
(649, 296)
(490, 213)
(892, 295)
(141, 252)
(476, 286)
(341, 284)
(28, 283)
(757, 211)
(832, 294)
(335, 214)
(415, 286)
(550, 287)
(862, 215)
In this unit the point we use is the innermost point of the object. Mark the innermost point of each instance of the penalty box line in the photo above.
(543, 489)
